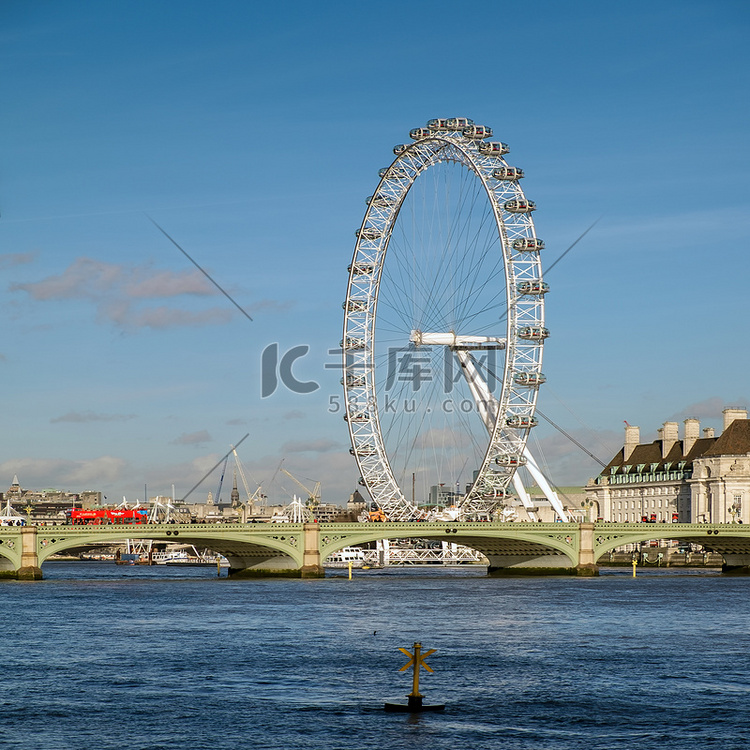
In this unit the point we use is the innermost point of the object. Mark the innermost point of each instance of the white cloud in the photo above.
(168, 317)
(10, 260)
(90, 416)
(566, 464)
(192, 438)
(709, 408)
(321, 445)
(119, 292)
(64, 474)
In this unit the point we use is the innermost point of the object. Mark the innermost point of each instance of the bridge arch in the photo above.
(9, 559)
(508, 547)
(246, 546)
(729, 540)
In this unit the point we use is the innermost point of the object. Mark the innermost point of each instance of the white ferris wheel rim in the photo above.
(508, 431)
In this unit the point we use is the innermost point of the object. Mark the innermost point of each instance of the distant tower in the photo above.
(15, 488)
(235, 492)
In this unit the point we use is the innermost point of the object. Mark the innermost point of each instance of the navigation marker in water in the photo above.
(416, 660)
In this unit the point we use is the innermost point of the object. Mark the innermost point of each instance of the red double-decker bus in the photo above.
(105, 516)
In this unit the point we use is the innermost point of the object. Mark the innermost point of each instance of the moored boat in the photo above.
(345, 556)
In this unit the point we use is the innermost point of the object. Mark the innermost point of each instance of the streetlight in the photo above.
(587, 504)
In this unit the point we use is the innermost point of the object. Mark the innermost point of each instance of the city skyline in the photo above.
(253, 137)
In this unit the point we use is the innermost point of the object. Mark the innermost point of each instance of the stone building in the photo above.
(696, 479)
(50, 505)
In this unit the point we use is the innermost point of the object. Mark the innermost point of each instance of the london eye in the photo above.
(444, 327)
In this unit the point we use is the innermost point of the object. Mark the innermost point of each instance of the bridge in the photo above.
(296, 549)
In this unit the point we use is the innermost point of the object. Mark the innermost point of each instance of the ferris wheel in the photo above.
(444, 328)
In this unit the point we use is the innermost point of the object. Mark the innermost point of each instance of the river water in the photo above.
(101, 657)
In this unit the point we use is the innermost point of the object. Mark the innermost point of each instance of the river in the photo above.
(103, 657)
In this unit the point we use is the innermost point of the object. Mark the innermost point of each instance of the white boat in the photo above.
(342, 558)
(190, 556)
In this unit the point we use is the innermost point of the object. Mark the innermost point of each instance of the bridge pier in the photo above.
(29, 570)
(312, 563)
(525, 565)
(736, 564)
(586, 561)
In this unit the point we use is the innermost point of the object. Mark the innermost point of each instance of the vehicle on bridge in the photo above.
(102, 516)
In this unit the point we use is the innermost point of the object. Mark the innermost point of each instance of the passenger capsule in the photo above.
(527, 244)
(355, 305)
(359, 416)
(418, 133)
(489, 148)
(394, 172)
(507, 173)
(530, 379)
(498, 494)
(352, 342)
(364, 450)
(458, 123)
(437, 123)
(521, 421)
(511, 461)
(533, 333)
(353, 381)
(399, 149)
(381, 201)
(368, 233)
(361, 269)
(519, 206)
(477, 132)
(532, 287)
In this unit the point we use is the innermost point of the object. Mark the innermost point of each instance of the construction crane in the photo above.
(251, 497)
(221, 480)
(313, 496)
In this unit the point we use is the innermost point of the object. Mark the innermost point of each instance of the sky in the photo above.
(253, 132)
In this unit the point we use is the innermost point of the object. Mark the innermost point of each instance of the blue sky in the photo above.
(252, 132)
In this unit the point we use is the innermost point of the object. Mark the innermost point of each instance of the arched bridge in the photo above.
(300, 549)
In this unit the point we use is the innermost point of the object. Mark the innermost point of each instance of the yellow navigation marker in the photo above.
(635, 564)
(416, 660)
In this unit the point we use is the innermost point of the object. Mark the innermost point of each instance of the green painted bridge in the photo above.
(255, 549)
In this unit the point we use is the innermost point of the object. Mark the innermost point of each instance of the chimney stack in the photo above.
(669, 436)
(692, 432)
(731, 414)
(709, 432)
(632, 439)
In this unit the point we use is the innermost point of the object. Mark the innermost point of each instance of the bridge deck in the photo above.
(273, 547)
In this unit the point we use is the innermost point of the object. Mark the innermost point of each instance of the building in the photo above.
(47, 506)
(695, 479)
(573, 500)
(442, 496)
